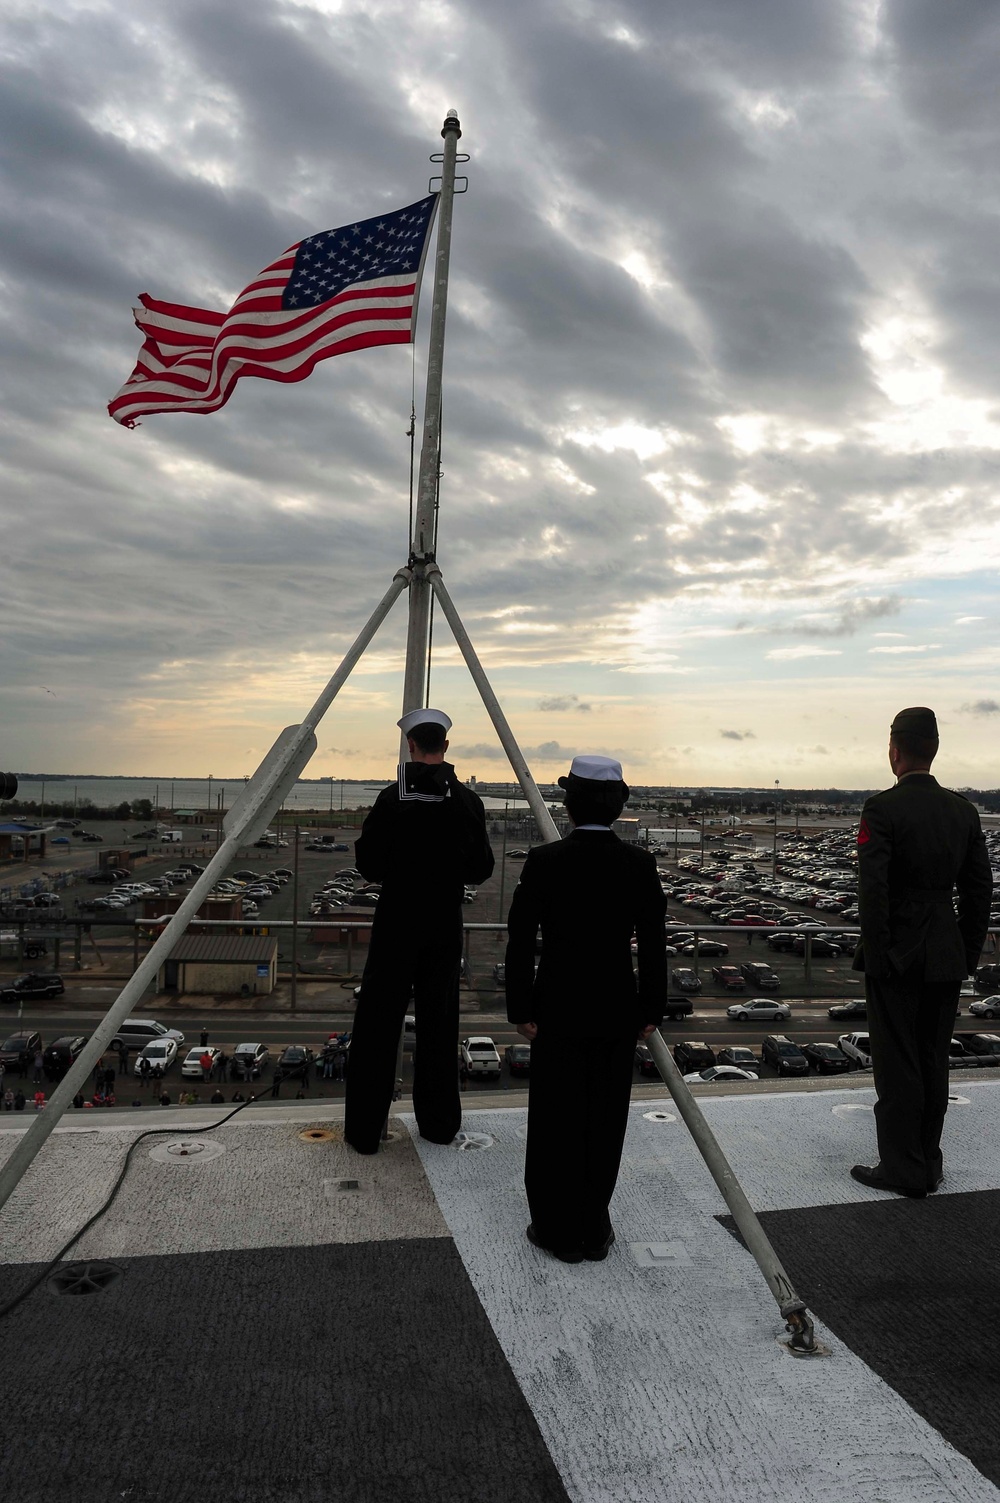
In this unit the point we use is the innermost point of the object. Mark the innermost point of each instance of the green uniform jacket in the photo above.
(917, 842)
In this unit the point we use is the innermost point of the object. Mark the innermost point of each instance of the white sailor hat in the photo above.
(596, 769)
(423, 717)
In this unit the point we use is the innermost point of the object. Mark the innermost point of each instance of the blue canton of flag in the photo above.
(333, 260)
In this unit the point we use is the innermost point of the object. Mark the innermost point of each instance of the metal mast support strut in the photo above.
(802, 1338)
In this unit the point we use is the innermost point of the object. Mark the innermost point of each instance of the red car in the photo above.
(729, 977)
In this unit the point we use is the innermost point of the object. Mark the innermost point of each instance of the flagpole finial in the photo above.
(451, 123)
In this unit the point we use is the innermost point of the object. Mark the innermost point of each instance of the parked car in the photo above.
(479, 1056)
(294, 1062)
(719, 1074)
(91, 837)
(644, 1061)
(192, 1065)
(740, 1056)
(248, 1061)
(677, 1007)
(759, 1007)
(709, 947)
(784, 1056)
(729, 977)
(518, 1057)
(26, 1041)
(819, 945)
(160, 1052)
(985, 1047)
(693, 1054)
(685, 979)
(760, 975)
(988, 977)
(826, 1059)
(32, 985)
(857, 1007)
(857, 1047)
(138, 1032)
(985, 1007)
(60, 1054)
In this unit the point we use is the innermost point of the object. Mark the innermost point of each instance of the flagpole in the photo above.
(422, 541)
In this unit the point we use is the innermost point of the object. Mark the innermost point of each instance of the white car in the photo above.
(192, 1065)
(249, 1060)
(857, 1047)
(480, 1057)
(985, 1007)
(759, 1007)
(719, 1073)
(160, 1052)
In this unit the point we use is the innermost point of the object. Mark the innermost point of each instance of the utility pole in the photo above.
(295, 923)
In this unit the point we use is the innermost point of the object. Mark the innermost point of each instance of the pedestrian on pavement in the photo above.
(144, 1071)
(222, 1064)
(164, 1098)
(204, 1037)
(276, 1083)
(918, 844)
(122, 1058)
(583, 1011)
(39, 1062)
(109, 1080)
(99, 1070)
(8, 1100)
(423, 840)
(23, 1061)
(206, 1061)
(39, 1100)
(339, 1065)
(78, 1100)
(19, 1100)
(3, 1071)
(238, 1096)
(217, 1097)
(155, 1076)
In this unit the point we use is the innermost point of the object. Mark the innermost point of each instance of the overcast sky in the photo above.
(721, 421)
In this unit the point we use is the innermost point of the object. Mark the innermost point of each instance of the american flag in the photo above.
(339, 290)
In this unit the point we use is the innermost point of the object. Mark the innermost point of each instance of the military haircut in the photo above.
(429, 736)
(916, 748)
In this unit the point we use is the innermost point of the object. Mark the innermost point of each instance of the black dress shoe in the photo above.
(870, 1175)
(598, 1254)
(935, 1184)
(563, 1254)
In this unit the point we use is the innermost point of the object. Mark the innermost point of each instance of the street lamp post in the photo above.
(774, 848)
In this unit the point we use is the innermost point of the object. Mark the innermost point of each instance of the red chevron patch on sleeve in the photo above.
(864, 834)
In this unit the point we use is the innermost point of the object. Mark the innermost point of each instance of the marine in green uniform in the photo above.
(918, 844)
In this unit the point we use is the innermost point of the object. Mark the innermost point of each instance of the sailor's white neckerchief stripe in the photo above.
(407, 796)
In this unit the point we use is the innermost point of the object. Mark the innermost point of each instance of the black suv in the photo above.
(32, 985)
(988, 978)
(58, 1057)
(786, 1057)
(691, 1055)
(760, 974)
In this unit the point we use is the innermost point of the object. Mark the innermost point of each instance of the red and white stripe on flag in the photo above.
(337, 291)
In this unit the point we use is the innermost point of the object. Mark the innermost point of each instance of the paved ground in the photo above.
(295, 1322)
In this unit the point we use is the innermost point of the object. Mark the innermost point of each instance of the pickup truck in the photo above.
(34, 945)
(857, 1047)
(480, 1057)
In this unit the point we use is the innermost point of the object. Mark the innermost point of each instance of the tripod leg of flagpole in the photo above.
(258, 802)
(543, 819)
(802, 1338)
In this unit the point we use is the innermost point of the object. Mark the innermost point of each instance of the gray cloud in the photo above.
(981, 707)
(558, 702)
(738, 735)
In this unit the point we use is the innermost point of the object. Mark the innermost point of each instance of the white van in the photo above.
(172, 837)
(138, 1032)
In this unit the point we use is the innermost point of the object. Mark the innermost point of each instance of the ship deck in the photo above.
(286, 1321)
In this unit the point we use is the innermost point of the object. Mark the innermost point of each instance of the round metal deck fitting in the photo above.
(83, 1278)
(317, 1135)
(467, 1140)
(186, 1151)
(659, 1117)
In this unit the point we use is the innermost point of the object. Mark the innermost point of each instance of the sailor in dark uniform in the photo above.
(917, 843)
(424, 839)
(587, 895)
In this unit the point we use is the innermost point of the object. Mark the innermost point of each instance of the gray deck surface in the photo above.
(276, 1337)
